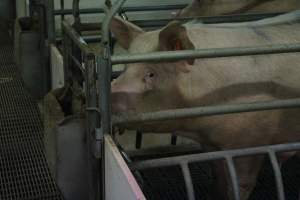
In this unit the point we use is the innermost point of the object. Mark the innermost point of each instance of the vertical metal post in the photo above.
(173, 139)
(233, 177)
(104, 78)
(66, 52)
(104, 69)
(138, 139)
(92, 125)
(50, 20)
(62, 7)
(277, 173)
(188, 181)
(76, 13)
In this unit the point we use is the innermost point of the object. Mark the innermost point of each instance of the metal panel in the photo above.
(119, 181)
(57, 68)
(33, 73)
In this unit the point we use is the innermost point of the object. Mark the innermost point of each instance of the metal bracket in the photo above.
(105, 52)
(123, 15)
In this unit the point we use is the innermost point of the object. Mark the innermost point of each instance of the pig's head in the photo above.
(152, 86)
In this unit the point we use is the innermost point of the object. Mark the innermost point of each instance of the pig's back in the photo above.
(283, 69)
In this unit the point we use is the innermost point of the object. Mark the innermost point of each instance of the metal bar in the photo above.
(78, 64)
(107, 20)
(86, 38)
(206, 111)
(125, 9)
(204, 53)
(104, 67)
(76, 38)
(138, 139)
(92, 124)
(81, 11)
(163, 162)
(50, 20)
(173, 139)
(76, 13)
(164, 151)
(207, 19)
(104, 77)
(66, 52)
(233, 177)
(188, 181)
(88, 26)
(154, 8)
(162, 22)
(277, 173)
(62, 7)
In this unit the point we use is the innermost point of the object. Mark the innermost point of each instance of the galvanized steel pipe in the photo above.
(217, 155)
(205, 53)
(206, 111)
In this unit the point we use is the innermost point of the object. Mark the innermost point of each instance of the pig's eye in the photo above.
(150, 74)
(149, 80)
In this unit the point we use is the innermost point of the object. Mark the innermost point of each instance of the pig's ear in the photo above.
(174, 37)
(124, 31)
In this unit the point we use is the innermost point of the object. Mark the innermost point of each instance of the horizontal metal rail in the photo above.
(145, 23)
(204, 53)
(206, 111)
(125, 9)
(228, 157)
(207, 19)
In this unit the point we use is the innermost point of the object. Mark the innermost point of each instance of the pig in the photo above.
(222, 7)
(154, 86)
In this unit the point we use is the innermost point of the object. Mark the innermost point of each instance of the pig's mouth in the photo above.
(124, 102)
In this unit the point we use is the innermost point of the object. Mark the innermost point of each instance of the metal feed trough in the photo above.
(96, 70)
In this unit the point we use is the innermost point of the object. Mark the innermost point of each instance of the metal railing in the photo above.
(97, 73)
(105, 62)
(76, 12)
(77, 55)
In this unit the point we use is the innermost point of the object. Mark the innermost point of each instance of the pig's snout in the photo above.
(118, 102)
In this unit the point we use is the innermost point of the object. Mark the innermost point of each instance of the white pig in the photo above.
(147, 87)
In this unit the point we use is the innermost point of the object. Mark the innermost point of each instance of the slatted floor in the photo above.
(23, 171)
